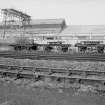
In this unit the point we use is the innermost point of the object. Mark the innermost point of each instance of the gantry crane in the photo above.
(12, 17)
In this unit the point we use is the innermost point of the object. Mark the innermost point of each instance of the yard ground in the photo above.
(16, 94)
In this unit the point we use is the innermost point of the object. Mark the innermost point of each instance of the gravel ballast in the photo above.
(74, 65)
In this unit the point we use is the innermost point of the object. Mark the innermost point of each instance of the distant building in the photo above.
(18, 24)
(40, 30)
(43, 31)
(78, 33)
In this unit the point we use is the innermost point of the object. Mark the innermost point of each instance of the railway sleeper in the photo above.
(3, 66)
(28, 68)
(9, 67)
(32, 75)
(103, 82)
(4, 74)
(51, 72)
(74, 72)
(86, 73)
(44, 69)
(70, 73)
(13, 67)
(95, 73)
(38, 77)
(19, 76)
(56, 70)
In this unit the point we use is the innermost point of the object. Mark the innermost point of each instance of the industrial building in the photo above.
(17, 24)
(79, 33)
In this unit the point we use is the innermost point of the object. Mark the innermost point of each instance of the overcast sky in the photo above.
(76, 12)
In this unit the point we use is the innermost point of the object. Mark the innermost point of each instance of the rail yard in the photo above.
(73, 71)
(40, 50)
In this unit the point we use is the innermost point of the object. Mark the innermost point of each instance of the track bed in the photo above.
(53, 56)
(27, 69)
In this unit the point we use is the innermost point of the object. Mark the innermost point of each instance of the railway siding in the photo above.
(30, 74)
(38, 55)
(28, 64)
(37, 69)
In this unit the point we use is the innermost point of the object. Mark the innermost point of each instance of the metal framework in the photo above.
(12, 17)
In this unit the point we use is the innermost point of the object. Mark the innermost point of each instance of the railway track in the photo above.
(53, 56)
(78, 76)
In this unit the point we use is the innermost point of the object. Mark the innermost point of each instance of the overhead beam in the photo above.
(16, 13)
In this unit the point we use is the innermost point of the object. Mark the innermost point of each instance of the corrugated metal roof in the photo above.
(83, 29)
(43, 30)
(47, 21)
(42, 25)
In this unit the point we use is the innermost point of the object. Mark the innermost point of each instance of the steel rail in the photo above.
(53, 56)
(51, 72)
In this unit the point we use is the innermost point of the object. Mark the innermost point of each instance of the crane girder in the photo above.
(18, 14)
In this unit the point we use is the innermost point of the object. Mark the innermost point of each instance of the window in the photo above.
(50, 38)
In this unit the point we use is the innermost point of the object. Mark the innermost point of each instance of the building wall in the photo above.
(45, 35)
(77, 39)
